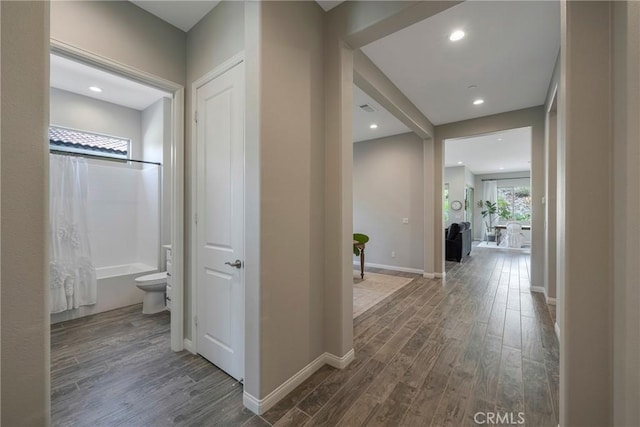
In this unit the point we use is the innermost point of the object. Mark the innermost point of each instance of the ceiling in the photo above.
(505, 151)
(327, 5)
(387, 123)
(76, 77)
(508, 52)
(183, 14)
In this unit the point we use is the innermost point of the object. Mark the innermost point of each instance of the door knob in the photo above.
(236, 264)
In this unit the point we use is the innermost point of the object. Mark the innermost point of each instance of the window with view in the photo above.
(514, 204)
(77, 141)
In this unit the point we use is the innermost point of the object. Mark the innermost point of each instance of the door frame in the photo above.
(216, 72)
(177, 157)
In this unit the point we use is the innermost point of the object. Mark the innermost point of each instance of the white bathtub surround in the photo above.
(72, 277)
(116, 288)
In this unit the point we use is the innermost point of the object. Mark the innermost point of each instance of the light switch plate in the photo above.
(405, 220)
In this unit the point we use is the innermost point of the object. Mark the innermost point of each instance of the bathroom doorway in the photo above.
(118, 132)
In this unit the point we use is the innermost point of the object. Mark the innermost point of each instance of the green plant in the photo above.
(490, 209)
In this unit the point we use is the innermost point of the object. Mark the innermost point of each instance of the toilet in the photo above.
(154, 287)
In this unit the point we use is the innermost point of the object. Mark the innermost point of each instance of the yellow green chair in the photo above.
(359, 242)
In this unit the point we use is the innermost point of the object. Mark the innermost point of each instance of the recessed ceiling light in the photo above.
(478, 101)
(373, 126)
(459, 163)
(456, 35)
(499, 139)
(501, 168)
(95, 89)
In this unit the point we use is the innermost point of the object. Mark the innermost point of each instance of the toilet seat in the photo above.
(152, 279)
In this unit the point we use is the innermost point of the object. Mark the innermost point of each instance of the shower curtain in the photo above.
(72, 274)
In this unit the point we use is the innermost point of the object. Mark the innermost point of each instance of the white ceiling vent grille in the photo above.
(368, 108)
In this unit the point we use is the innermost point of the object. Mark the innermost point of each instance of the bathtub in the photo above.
(116, 288)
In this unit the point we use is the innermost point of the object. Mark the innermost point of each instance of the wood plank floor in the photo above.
(437, 352)
(117, 369)
(433, 353)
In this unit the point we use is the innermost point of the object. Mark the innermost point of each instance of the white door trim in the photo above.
(177, 184)
(217, 71)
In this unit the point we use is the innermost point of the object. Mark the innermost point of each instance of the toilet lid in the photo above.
(151, 277)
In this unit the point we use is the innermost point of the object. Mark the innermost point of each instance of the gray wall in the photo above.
(626, 314)
(122, 31)
(585, 261)
(292, 189)
(84, 113)
(551, 184)
(24, 103)
(388, 185)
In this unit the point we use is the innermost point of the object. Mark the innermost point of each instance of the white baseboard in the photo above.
(433, 275)
(556, 328)
(390, 267)
(188, 345)
(542, 290)
(340, 362)
(260, 406)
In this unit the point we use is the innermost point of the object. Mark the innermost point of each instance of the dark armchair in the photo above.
(458, 241)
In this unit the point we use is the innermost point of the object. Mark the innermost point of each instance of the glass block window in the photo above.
(77, 141)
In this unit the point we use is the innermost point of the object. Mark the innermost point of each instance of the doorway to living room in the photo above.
(488, 193)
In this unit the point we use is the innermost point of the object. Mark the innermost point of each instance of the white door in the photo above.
(220, 221)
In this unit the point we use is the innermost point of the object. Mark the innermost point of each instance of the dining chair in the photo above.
(515, 237)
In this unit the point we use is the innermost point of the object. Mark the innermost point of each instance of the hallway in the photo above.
(426, 354)
(431, 355)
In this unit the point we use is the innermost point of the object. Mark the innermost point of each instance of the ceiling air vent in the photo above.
(368, 108)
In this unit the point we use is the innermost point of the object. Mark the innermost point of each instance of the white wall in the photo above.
(388, 185)
(156, 147)
(75, 111)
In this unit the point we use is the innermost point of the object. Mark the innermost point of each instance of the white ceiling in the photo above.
(183, 14)
(505, 151)
(327, 5)
(387, 123)
(509, 52)
(76, 77)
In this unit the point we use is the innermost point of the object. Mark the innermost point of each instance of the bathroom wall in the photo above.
(123, 199)
(83, 113)
(156, 147)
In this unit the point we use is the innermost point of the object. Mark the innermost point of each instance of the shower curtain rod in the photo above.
(504, 179)
(98, 157)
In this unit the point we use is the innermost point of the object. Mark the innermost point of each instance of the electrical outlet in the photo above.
(405, 220)
(393, 254)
